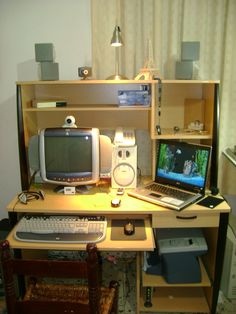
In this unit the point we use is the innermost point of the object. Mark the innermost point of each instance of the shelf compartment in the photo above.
(182, 104)
(102, 119)
(159, 281)
(176, 300)
(80, 94)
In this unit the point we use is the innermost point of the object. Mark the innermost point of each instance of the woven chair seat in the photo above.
(38, 291)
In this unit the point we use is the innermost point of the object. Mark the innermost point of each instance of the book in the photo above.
(48, 103)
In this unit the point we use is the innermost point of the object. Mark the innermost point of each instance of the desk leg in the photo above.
(222, 235)
(138, 262)
(12, 218)
(20, 279)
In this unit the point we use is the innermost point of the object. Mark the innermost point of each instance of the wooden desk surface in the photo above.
(98, 202)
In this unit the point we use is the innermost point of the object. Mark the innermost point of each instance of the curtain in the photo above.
(165, 24)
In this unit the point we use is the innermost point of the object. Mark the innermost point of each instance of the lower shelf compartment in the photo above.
(166, 299)
(159, 281)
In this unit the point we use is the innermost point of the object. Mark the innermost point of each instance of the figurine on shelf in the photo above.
(148, 71)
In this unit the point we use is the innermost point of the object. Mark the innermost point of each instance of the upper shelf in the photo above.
(87, 81)
(80, 107)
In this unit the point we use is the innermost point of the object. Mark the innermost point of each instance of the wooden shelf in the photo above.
(115, 82)
(159, 281)
(89, 108)
(183, 135)
(191, 81)
(176, 300)
(87, 82)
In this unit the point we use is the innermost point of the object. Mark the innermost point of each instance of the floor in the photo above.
(121, 267)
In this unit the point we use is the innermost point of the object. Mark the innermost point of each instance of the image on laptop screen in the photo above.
(183, 164)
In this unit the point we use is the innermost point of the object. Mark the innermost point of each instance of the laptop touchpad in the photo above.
(155, 195)
(172, 200)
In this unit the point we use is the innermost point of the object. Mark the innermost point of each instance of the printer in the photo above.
(176, 256)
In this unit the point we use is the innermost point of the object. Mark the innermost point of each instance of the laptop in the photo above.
(180, 176)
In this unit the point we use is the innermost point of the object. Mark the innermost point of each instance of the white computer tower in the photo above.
(228, 281)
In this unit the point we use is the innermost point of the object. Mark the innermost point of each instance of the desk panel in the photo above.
(185, 220)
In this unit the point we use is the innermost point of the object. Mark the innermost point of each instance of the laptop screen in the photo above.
(182, 164)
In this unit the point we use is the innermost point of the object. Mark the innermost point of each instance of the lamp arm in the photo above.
(116, 61)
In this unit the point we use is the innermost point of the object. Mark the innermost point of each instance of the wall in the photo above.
(66, 24)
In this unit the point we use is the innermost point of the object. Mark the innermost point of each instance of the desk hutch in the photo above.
(95, 104)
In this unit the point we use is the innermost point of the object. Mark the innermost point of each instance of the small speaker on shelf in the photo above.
(190, 50)
(49, 71)
(44, 52)
(184, 70)
(124, 167)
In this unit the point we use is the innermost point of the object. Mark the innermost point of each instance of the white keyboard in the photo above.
(60, 228)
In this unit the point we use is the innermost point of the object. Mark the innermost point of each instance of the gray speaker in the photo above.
(33, 153)
(190, 50)
(105, 156)
(184, 70)
(49, 71)
(44, 52)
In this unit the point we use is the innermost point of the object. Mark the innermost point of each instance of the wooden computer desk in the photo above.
(197, 297)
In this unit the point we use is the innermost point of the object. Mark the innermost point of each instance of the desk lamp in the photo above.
(117, 42)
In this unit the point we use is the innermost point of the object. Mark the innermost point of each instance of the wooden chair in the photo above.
(49, 298)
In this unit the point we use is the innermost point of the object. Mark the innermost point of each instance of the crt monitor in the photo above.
(69, 156)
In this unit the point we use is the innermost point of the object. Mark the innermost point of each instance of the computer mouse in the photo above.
(129, 228)
(115, 202)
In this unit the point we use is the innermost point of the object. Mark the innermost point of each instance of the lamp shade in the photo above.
(116, 40)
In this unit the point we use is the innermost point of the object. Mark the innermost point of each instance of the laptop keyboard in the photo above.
(169, 191)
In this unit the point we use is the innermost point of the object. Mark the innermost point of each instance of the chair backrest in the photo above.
(87, 269)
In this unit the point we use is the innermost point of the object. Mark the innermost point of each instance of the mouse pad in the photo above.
(210, 201)
(117, 230)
